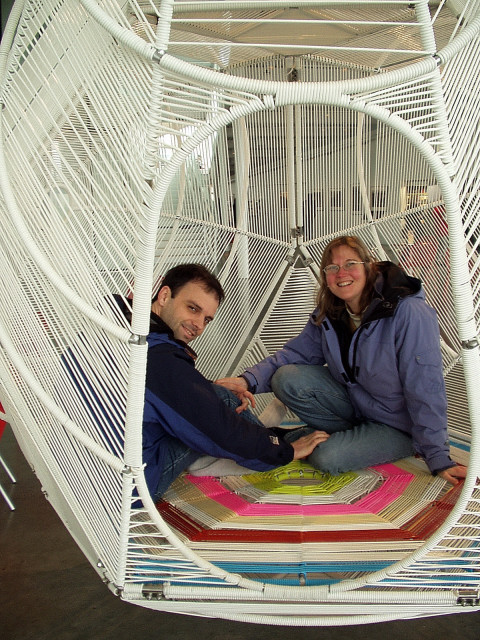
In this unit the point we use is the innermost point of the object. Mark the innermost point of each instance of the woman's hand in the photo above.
(304, 446)
(451, 474)
(239, 387)
(234, 384)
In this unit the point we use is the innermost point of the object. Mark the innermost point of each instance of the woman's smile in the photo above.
(347, 286)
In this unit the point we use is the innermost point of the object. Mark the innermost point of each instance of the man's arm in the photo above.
(182, 403)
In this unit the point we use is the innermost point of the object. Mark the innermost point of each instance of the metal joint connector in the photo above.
(292, 75)
(127, 471)
(473, 343)
(152, 593)
(468, 598)
(135, 338)
(158, 55)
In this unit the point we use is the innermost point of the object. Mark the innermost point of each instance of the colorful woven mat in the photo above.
(296, 503)
(296, 525)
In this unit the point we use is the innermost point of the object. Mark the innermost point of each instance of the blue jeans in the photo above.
(322, 403)
(178, 456)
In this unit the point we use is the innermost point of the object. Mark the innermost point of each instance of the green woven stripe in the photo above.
(300, 478)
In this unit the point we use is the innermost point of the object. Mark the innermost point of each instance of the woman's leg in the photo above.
(314, 396)
(322, 403)
(364, 445)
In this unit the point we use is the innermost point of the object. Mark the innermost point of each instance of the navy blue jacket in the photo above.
(181, 402)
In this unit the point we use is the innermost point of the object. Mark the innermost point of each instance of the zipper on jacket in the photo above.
(356, 335)
(385, 305)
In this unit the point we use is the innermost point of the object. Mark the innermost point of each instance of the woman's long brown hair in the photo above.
(327, 302)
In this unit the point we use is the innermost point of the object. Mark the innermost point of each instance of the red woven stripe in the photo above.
(196, 533)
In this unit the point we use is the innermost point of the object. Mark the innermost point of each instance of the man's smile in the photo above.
(189, 332)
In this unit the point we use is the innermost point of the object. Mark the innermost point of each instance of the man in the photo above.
(184, 415)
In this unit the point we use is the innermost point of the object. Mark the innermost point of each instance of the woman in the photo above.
(381, 396)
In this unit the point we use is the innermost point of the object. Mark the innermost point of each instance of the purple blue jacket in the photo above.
(391, 366)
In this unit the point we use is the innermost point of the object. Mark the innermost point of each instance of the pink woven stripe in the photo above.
(395, 481)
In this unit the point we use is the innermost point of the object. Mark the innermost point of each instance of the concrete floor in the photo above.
(50, 592)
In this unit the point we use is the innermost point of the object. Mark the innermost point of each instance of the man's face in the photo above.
(189, 312)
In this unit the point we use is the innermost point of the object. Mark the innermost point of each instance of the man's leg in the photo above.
(210, 466)
(231, 400)
(177, 457)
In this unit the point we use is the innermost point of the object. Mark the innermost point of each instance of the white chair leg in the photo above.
(7, 499)
(9, 473)
(12, 478)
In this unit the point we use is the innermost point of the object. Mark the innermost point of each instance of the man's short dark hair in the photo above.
(177, 277)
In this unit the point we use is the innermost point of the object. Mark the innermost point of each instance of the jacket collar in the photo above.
(157, 325)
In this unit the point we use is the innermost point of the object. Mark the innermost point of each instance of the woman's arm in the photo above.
(306, 348)
(421, 372)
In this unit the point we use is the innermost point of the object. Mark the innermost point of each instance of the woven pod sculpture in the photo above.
(136, 135)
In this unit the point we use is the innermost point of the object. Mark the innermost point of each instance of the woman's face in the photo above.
(347, 285)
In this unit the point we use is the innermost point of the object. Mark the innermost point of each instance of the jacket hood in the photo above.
(392, 284)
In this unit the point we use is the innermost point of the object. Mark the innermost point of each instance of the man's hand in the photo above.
(239, 387)
(304, 446)
(451, 474)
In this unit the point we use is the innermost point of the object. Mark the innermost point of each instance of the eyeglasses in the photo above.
(349, 265)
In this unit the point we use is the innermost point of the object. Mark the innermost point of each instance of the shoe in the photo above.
(273, 414)
(218, 467)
